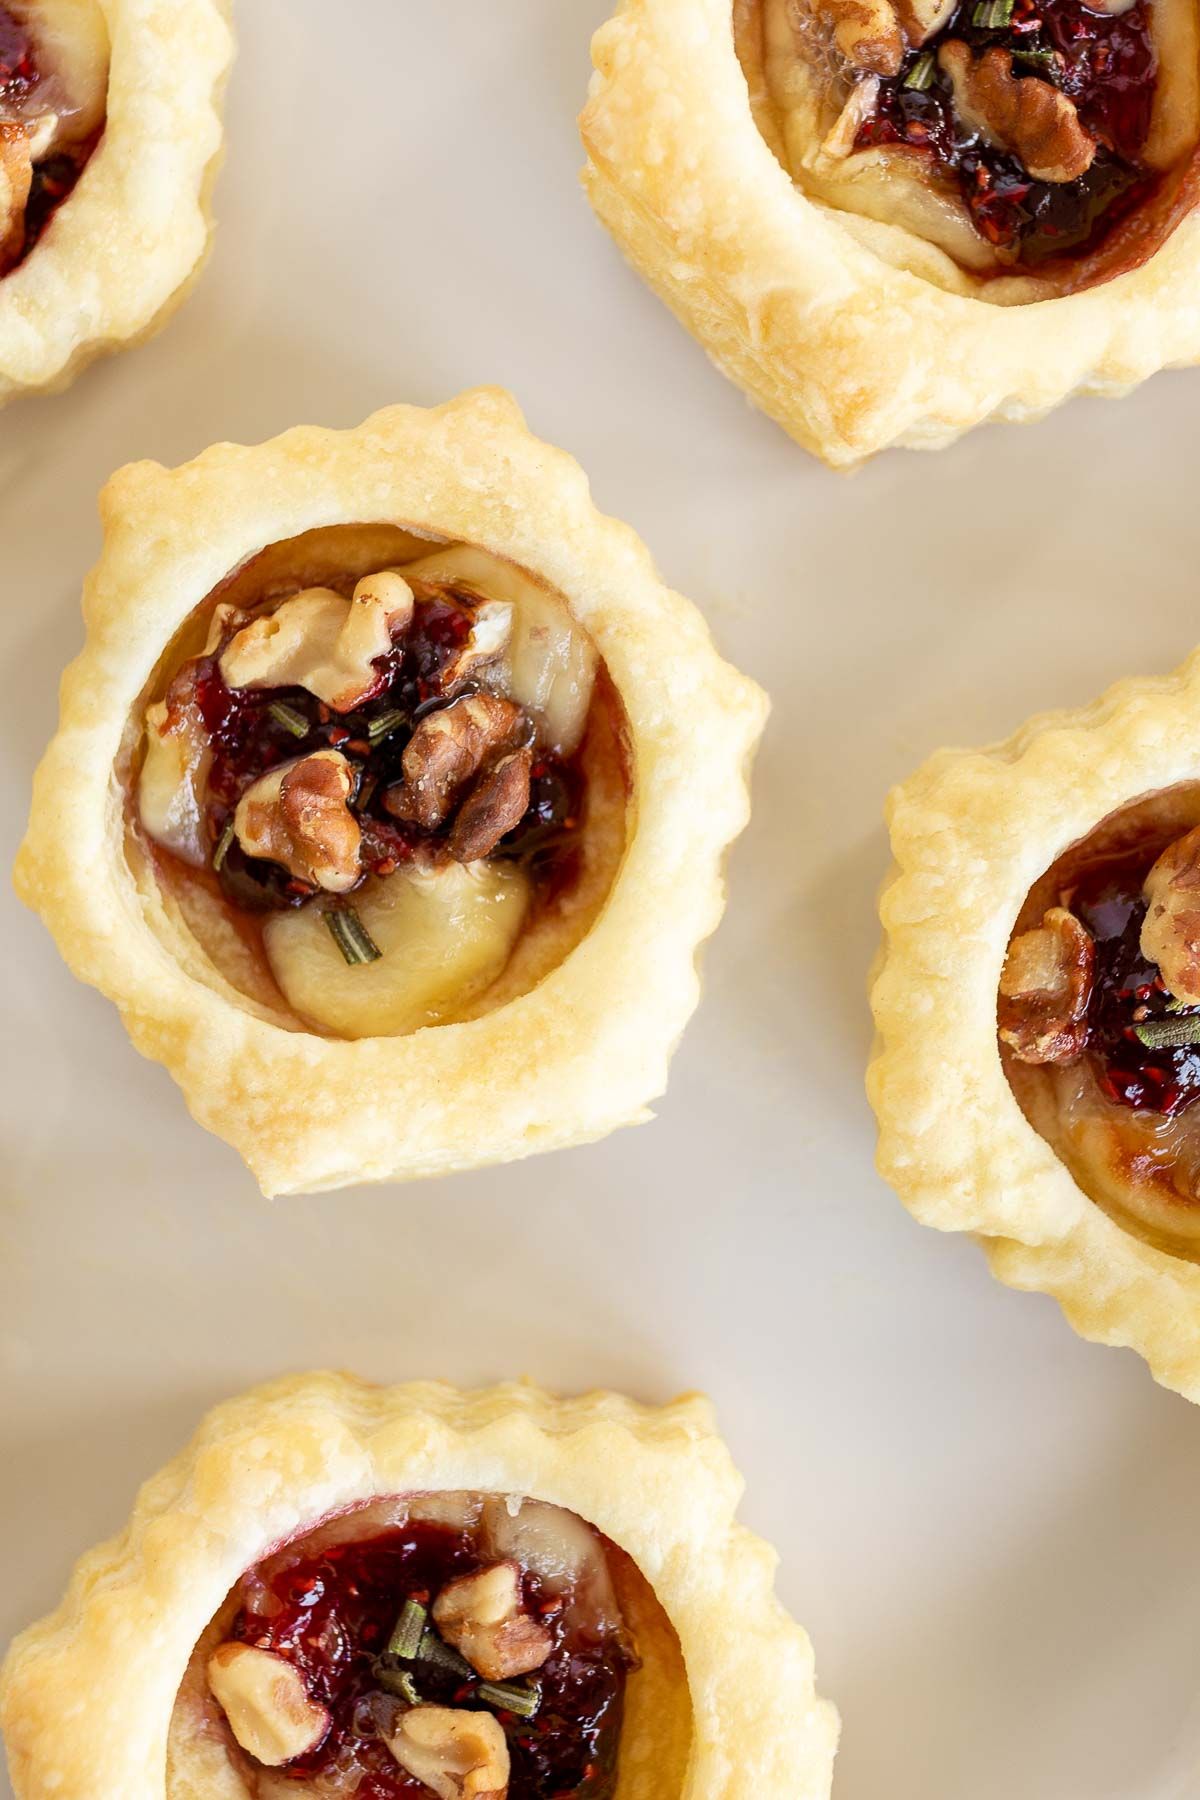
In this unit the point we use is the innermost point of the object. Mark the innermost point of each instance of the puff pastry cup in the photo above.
(280, 1595)
(110, 135)
(889, 220)
(390, 795)
(1038, 1012)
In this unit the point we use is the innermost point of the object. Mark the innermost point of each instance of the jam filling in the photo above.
(1128, 990)
(55, 177)
(1105, 64)
(331, 1615)
(248, 738)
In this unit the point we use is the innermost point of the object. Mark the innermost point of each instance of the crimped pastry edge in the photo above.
(567, 1062)
(657, 1480)
(847, 353)
(971, 832)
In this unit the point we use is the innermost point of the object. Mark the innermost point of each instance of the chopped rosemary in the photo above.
(398, 1682)
(222, 849)
(506, 1697)
(384, 725)
(1045, 60)
(920, 76)
(992, 15)
(366, 787)
(351, 935)
(289, 717)
(433, 1650)
(1169, 1034)
(405, 1640)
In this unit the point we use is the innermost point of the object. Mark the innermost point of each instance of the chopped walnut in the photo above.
(1045, 989)
(297, 815)
(861, 103)
(495, 805)
(266, 1702)
(224, 619)
(1171, 928)
(447, 748)
(458, 1755)
(923, 18)
(490, 635)
(867, 32)
(1022, 114)
(321, 641)
(16, 179)
(482, 1616)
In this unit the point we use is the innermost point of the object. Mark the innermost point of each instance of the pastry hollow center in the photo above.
(1052, 139)
(1099, 1012)
(444, 1643)
(378, 797)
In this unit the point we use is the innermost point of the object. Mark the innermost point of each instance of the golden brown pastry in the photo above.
(390, 796)
(344, 1590)
(109, 139)
(1038, 1010)
(889, 220)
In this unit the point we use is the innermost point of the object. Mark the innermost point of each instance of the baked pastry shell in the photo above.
(972, 831)
(125, 248)
(579, 1054)
(657, 1481)
(847, 352)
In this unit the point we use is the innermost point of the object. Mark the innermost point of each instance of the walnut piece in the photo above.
(867, 32)
(458, 1755)
(447, 748)
(481, 1614)
(490, 636)
(1024, 114)
(1171, 928)
(321, 641)
(498, 802)
(923, 18)
(297, 815)
(1045, 989)
(266, 1702)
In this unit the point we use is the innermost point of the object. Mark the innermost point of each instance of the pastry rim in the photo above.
(587, 1048)
(125, 247)
(658, 1481)
(948, 908)
(848, 353)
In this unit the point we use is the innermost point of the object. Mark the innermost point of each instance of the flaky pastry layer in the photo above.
(585, 1049)
(124, 249)
(972, 831)
(262, 1468)
(845, 350)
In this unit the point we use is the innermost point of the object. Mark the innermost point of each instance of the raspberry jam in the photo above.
(330, 1612)
(55, 177)
(1128, 990)
(1105, 64)
(248, 739)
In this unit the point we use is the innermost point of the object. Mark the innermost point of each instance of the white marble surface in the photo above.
(989, 1528)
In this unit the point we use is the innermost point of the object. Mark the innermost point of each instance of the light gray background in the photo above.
(990, 1529)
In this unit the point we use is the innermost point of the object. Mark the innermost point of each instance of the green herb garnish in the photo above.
(398, 1682)
(993, 15)
(406, 1636)
(1169, 1034)
(433, 1650)
(506, 1697)
(288, 716)
(1045, 60)
(222, 849)
(920, 76)
(384, 725)
(351, 935)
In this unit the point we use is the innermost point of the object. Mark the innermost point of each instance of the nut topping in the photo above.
(1171, 929)
(496, 805)
(1025, 115)
(266, 1702)
(459, 1755)
(297, 815)
(481, 1615)
(323, 642)
(490, 636)
(1045, 989)
(445, 751)
(868, 34)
